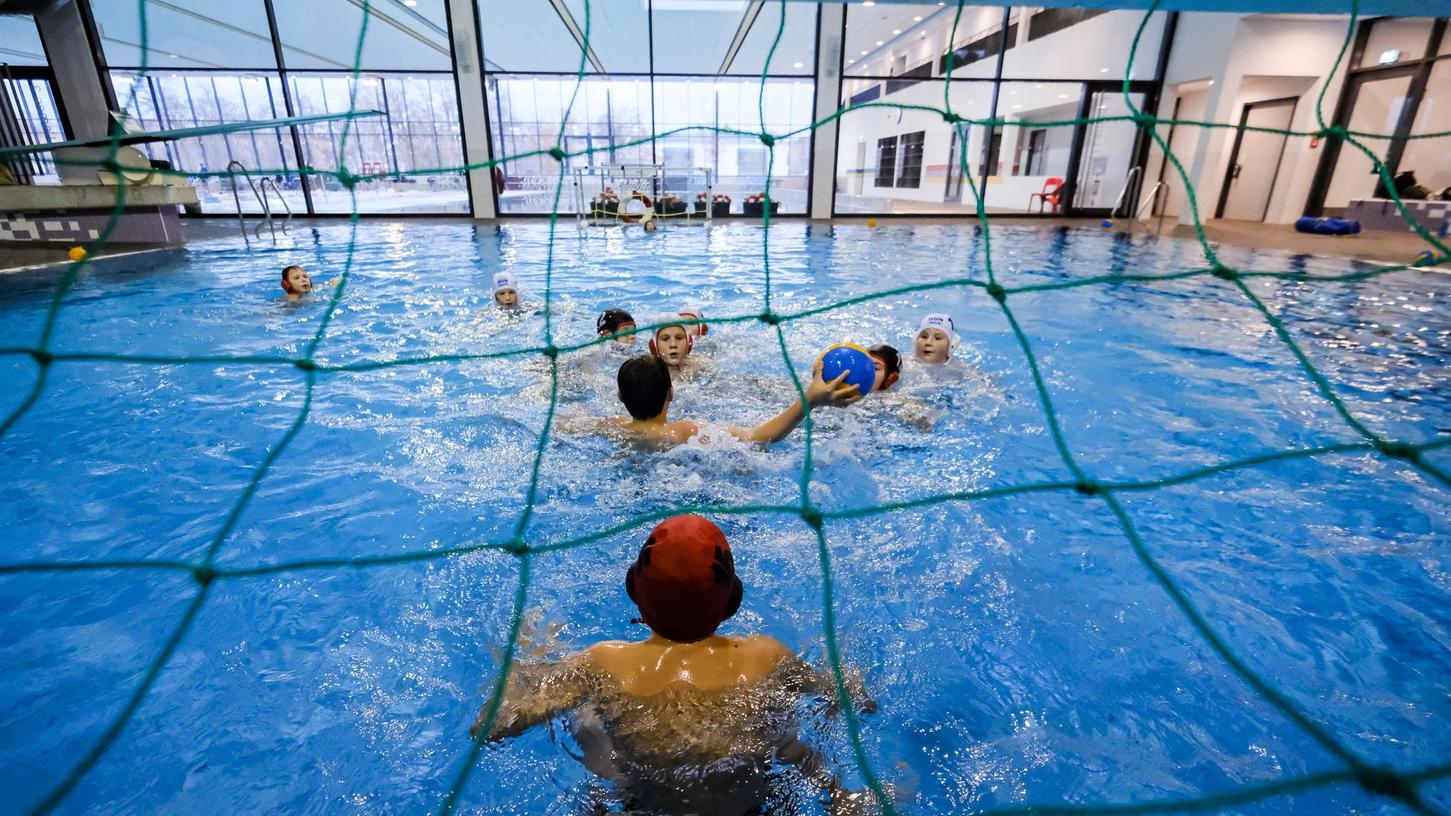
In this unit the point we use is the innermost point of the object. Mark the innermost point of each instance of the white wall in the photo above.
(1252, 58)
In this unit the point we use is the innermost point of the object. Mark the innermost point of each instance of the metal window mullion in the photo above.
(287, 105)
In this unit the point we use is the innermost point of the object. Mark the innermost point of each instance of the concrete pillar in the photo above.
(86, 99)
(828, 99)
(473, 106)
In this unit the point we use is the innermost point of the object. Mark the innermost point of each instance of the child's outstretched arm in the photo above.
(818, 393)
(538, 693)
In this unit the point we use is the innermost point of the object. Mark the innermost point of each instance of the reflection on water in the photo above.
(1017, 648)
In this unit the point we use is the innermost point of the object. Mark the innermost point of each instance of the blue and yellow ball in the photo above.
(854, 361)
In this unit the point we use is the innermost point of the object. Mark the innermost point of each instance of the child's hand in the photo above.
(834, 393)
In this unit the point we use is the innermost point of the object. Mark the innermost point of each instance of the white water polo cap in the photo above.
(505, 280)
(940, 320)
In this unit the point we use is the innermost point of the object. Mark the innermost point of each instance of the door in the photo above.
(953, 192)
(1254, 162)
(859, 177)
(1106, 152)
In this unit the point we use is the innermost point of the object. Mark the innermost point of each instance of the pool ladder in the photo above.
(259, 190)
(1147, 202)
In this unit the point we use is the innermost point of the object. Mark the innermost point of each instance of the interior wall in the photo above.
(1252, 58)
(1184, 141)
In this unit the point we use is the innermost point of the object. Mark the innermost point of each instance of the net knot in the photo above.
(204, 575)
(1336, 130)
(1144, 118)
(551, 351)
(768, 140)
(951, 118)
(305, 365)
(1224, 273)
(812, 517)
(997, 292)
(770, 318)
(1399, 450)
(1383, 780)
(346, 178)
(1088, 487)
(515, 546)
(557, 153)
(42, 357)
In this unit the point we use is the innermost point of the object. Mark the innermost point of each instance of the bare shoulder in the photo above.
(683, 429)
(764, 648)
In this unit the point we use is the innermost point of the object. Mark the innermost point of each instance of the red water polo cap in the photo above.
(684, 580)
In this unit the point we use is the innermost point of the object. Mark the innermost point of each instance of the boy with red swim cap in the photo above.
(298, 284)
(673, 342)
(625, 702)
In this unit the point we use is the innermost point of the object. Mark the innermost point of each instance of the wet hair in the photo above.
(286, 284)
(890, 357)
(644, 383)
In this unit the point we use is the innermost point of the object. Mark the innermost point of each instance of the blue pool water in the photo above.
(1019, 651)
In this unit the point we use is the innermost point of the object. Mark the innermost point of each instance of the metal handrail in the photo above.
(1133, 174)
(261, 200)
(266, 182)
(1149, 201)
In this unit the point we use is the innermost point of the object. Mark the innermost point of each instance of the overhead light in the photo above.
(868, 3)
(916, 19)
(1012, 93)
(896, 31)
(1211, 82)
(410, 3)
(864, 53)
(1015, 107)
(1039, 85)
(922, 35)
(798, 64)
(851, 62)
(879, 43)
(1062, 96)
(173, 56)
(1103, 70)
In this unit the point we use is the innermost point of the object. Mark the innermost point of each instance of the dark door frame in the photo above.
(1229, 172)
(1148, 88)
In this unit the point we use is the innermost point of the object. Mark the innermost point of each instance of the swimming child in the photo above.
(618, 324)
(506, 290)
(888, 363)
(673, 342)
(646, 392)
(936, 335)
(298, 284)
(685, 721)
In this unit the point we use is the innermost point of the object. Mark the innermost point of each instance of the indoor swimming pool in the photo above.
(1019, 651)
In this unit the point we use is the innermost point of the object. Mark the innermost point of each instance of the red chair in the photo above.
(1052, 190)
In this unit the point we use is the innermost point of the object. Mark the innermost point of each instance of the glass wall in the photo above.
(215, 62)
(1398, 90)
(703, 71)
(412, 145)
(1050, 59)
(27, 100)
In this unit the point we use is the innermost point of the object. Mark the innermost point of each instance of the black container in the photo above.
(756, 209)
(720, 209)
